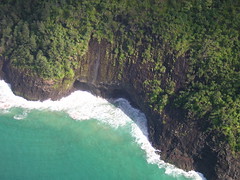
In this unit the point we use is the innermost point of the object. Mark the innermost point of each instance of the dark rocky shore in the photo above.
(183, 142)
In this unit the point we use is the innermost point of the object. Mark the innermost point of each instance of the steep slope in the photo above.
(176, 61)
(183, 142)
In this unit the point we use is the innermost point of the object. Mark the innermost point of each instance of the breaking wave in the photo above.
(81, 105)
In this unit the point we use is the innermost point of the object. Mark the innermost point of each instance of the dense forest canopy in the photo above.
(46, 38)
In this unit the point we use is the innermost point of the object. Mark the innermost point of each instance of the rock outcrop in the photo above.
(35, 88)
(183, 142)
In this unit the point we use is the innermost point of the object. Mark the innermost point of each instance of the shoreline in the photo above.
(127, 109)
(183, 142)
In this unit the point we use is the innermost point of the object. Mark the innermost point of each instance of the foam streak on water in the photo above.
(82, 105)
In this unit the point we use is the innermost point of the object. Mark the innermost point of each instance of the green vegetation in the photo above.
(196, 40)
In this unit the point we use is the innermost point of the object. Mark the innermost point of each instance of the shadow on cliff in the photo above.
(120, 98)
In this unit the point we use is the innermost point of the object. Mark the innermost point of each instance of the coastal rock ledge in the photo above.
(183, 142)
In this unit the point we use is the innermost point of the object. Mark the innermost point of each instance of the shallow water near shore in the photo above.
(78, 137)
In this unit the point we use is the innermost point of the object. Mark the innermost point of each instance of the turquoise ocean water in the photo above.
(78, 137)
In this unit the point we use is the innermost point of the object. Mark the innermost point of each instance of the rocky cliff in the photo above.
(183, 142)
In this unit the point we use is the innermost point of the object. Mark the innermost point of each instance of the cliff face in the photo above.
(183, 142)
(33, 87)
(1, 67)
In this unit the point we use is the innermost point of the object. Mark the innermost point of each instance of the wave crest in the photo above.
(82, 105)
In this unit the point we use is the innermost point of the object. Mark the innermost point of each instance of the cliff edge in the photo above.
(182, 141)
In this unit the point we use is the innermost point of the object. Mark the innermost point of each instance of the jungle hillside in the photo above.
(46, 39)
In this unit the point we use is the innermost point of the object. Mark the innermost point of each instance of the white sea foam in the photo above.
(140, 133)
(21, 116)
(82, 105)
(79, 105)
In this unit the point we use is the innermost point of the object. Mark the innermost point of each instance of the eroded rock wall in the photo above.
(183, 142)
